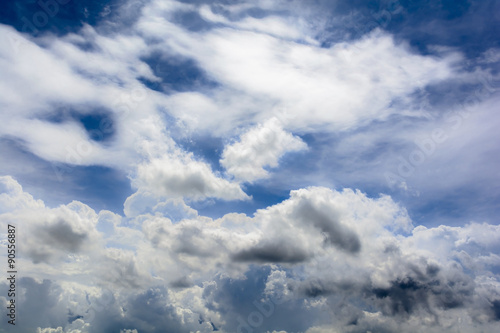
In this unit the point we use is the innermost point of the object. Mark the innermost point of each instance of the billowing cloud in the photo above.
(258, 148)
(185, 177)
(342, 259)
(49, 234)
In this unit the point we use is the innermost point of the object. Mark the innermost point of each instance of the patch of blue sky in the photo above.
(467, 26)
(457, 207)
(55, 16)
(204, 147)
(177, 74)
(98, 122)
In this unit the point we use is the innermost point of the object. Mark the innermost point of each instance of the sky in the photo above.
(266, 166)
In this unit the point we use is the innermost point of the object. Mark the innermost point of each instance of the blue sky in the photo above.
(189, 166)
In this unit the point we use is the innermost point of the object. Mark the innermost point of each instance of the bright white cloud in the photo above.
(185, 177)
(341, 87)
(260, 147)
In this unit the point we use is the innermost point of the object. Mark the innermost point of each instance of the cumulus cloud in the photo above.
(186, 177)
(258, 148)
(50, 233)
(144, 202)
(339, 258)
(13, 198)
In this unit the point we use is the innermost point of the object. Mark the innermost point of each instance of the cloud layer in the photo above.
(342, 258)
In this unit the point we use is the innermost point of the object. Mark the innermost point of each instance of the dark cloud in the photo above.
(237, 300)
(317, 287)
(38, 255)
(403, 296)
(273, 252)
(183, 282)
(427, 291)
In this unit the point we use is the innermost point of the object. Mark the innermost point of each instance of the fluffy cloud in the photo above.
(258, 148)
(338, 260)
(50, 234)
(185, 177)
(144, 202)
(13, 198)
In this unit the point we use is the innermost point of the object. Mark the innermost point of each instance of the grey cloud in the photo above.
(121, 270)
(62, 235)
(193, 183)
(318, 287)
(427, 291)
(192, 241)
(183, 282)
(39, 255)
(47, 304)
(337, 234)
(276, 252)
(182, 176)
(150, 311)
(38, 306)
(402, 296)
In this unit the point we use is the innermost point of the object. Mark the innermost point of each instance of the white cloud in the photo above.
(13, 198)
(259, 147)
(144, 202)
(272, 25)
(184, 177)
(338, 88)
(50, 330)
